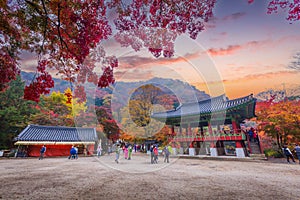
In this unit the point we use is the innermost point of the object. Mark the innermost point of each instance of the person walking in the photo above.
(166, 154)
(255, 136)
(109, 150)
(250, 133)
(288, 154)
(42, 152)
(99, 149)
(72, 153)
(155, 151)
(76, 152)
(297, 149)
(125, 152)
(129, 152)
(152, 154)
(117, 153)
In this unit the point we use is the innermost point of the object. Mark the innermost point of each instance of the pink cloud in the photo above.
(224, 51)
(269, 75)
(131, 62)
(136, 75)
(229, 50)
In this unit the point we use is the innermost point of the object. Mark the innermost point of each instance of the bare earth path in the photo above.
(102, 178)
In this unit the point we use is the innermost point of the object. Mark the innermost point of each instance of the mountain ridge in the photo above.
(184, 91)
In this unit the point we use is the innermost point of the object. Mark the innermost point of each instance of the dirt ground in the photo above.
(102, 178)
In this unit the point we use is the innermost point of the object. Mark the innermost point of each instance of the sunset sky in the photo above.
(243, 50)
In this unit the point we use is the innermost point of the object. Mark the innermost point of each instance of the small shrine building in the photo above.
(210, 127)
(57, 139)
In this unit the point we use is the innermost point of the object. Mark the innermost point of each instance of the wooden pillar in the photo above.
(173, 130)
(234, 125)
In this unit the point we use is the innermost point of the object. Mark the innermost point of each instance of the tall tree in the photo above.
(14, 112)
(281, 120)
(105, 119)
(58, 109)
(68, 35)
(136, 117)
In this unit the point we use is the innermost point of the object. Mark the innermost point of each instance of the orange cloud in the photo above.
(133, 75)
(224, 51)
(255, 83)
(132, 62)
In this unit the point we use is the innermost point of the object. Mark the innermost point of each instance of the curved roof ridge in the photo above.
(66, 127)
(220, 97)
(57, 133)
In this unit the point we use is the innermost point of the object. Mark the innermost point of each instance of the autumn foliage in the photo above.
(280, 120)
(67, 36)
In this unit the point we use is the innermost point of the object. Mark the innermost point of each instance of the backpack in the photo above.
(286, 152)
(43, 150)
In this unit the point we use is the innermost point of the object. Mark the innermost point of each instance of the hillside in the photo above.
(182, 90)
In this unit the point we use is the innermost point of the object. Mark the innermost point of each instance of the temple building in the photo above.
(57, 139)
(210, 127)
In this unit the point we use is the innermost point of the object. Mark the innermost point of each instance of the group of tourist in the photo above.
(154, 154)
(253, 136)
(127, 151)
(289, 155)
(73, 153)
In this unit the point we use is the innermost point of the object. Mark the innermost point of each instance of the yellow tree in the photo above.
(57, 109)
(74, 105)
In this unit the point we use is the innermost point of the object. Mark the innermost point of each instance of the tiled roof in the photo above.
(216, 104)
(57, 134)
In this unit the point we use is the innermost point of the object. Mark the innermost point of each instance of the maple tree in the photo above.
(106, 120)
(280, 120)
(58, 109)
(292, 7)
(68, 36)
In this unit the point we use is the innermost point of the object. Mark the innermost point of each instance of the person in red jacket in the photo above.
(155, 151)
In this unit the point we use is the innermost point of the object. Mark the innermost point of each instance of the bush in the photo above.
(273, 153)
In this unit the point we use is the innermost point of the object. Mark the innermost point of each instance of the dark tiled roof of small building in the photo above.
(216, 104)
(57, 134)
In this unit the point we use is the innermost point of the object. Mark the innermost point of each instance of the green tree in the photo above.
(14, 112)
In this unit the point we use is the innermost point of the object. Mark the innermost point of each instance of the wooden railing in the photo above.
(213, 137)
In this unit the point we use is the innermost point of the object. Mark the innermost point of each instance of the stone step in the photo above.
(258, 156)
(255, 148)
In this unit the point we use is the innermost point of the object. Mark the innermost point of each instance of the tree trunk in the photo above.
(278, 140)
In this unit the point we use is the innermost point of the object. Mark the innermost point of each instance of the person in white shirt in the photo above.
(288, 154)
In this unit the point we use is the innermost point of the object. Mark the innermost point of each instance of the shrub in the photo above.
(273, 153)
